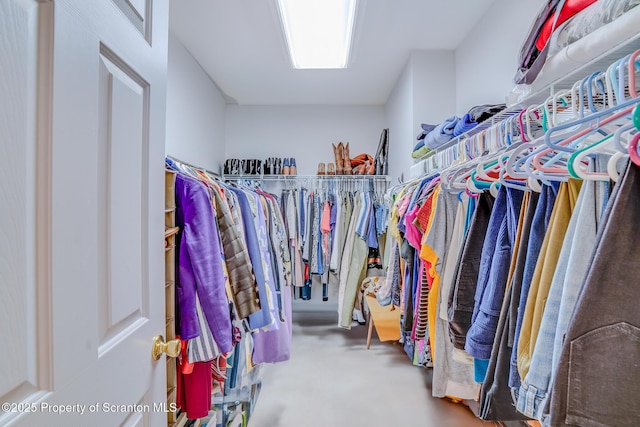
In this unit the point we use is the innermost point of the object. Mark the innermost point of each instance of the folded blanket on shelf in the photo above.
(420, 152)
(426, 128)
(465, 124)
(480, 113)
(442, 133)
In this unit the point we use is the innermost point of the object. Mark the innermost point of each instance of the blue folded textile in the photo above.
(426, 128)
(465, 124)
(441, 134)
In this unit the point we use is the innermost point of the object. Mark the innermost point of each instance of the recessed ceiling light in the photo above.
(318, 32)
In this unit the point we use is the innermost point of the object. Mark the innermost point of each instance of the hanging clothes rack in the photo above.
(200, 168)
(513, 132)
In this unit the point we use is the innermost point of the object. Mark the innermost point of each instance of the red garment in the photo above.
(570, 8)
(424, 213)
(193, 393)
(185, 366)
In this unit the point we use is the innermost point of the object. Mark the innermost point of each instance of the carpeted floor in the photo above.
(332, 380)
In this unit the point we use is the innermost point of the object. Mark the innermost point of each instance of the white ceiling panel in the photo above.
(239, 43)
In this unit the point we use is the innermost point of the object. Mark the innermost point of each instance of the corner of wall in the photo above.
(399, 116)
(195, 111)
(486, 59)
(425, 92)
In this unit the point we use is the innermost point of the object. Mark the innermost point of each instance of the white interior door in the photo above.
(82, 108)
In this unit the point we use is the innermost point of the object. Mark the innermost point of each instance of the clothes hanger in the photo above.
(529, 122)
(633, 67)
(609, 83)
(496, 142)
(518, 157)
(447, 178)
(633, 149)
(612, 166)
(595, 89)
(633, 144)
(470, 187)
(458, 180)
(511, 183)
(533, 140)
(564, 144)
(561, 99)
(523, 134)
(616, 70)
(577, 159)
(550, 115)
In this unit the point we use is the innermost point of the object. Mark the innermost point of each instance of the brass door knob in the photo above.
(171, 348)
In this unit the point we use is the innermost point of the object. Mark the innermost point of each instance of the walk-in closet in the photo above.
(313, 213)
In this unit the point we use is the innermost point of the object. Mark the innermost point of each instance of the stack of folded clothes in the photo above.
(434, 136)
(484, 112)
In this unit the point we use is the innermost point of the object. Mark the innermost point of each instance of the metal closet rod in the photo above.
(177, 160)
(306, 177)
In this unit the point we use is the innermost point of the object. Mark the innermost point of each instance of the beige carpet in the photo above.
(332, 380)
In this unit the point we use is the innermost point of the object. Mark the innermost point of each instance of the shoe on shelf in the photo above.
(321, 170)
(338, 152)
(235, 167)
(371, 168)
(346, 161)
(293, 168)
(331, 169)
(285, 166)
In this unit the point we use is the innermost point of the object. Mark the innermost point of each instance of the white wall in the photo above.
(399, 114)
(195, 111)
(487, 59)
(434, 87)
(305, 132)
(424, 93)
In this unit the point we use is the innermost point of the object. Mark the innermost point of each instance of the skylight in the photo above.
(318, 32)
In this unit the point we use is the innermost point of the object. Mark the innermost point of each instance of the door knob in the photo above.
(172, 347)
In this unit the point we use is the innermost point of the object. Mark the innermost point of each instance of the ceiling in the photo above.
(239, 43)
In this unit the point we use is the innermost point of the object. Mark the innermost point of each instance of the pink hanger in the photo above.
(538, 161)
(523, 134)
(633, 149)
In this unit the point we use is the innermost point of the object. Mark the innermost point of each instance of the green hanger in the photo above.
(480, 184)
(573, 156)
(636, 117)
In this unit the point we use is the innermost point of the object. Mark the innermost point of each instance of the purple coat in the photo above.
(200, 265)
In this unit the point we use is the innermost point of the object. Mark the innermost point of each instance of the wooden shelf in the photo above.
(169, 284)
